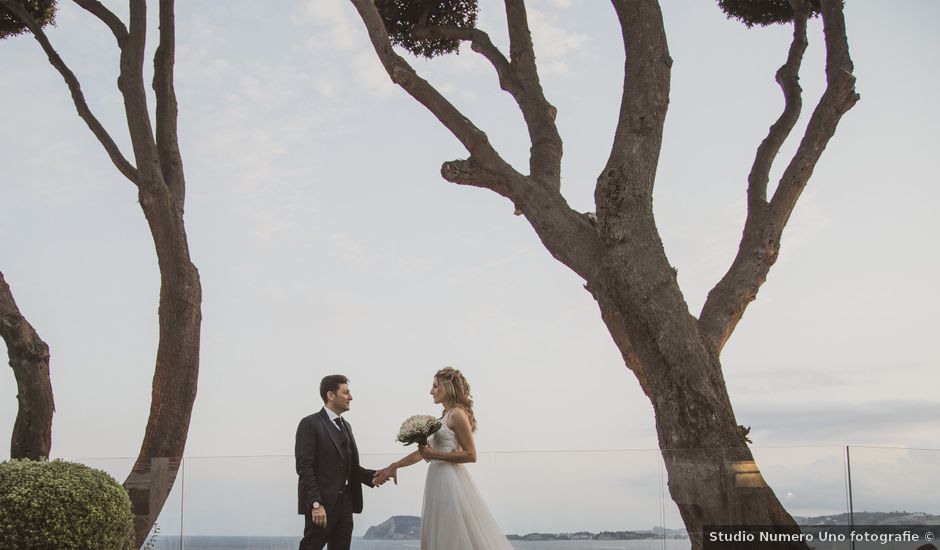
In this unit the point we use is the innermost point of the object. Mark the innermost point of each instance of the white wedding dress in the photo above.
(454, 516)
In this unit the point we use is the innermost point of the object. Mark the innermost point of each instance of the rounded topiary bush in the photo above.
(62, 506)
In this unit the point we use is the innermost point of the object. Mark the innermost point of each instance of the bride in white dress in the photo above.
(454, 516)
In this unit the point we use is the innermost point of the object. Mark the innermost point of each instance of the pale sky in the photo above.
(327, 242)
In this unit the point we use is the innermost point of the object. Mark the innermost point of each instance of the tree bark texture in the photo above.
(675, 356)
(157, 173)
(29, 359)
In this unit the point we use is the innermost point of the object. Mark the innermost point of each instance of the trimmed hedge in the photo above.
(61, 505)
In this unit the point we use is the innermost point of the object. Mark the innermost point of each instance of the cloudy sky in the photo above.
(327, 242)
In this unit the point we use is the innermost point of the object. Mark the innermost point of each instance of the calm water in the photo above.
(290, 543)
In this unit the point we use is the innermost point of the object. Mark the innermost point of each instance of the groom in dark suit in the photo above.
(329, 489)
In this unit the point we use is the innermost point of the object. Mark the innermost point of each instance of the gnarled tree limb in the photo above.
(567, 234)
(472, 138)
(760, 242)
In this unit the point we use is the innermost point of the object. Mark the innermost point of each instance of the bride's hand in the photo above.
(428, 453)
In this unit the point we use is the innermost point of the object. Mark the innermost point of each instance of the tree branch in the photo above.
(788, 77)
(479, 42)
(545, 155)
(107, 17)
(131, 85)
(114, 152)
(569, 236)
(839, 97)
(545, 159)
(760, 242)
(472, 138)
(171, 162)
(625, 187)
(469, 172)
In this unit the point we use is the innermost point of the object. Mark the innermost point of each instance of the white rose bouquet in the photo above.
(418, 429)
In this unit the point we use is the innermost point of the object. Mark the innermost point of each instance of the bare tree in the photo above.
(619, 253)
(29, 359)
(157, 173)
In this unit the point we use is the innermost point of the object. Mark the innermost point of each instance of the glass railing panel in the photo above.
(240, 502)
(894, 485)
(809, 482)
(578, 493)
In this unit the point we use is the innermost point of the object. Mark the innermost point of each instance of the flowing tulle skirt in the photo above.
(454, 516)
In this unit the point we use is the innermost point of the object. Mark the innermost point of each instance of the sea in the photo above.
(290, 543)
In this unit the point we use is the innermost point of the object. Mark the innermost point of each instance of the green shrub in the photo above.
(61, 505)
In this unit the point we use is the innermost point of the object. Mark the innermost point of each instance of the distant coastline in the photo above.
(409, 527)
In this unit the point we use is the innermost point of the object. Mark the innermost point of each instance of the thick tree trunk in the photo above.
(177, 364)
(713, 478)
(29, 359)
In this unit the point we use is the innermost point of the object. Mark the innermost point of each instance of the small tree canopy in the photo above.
(403, 17)
(762, 12)
(41, 10)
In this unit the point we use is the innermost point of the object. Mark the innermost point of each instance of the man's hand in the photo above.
(319, 516)
(383, 475)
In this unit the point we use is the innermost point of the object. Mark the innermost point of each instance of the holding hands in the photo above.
(383, 475)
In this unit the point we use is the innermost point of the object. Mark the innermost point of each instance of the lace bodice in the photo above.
(444, 439)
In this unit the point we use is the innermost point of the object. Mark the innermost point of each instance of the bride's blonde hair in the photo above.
(456, 392)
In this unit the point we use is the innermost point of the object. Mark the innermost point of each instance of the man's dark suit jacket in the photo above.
(321, 465)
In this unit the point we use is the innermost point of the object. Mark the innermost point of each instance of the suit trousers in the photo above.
(337, 535)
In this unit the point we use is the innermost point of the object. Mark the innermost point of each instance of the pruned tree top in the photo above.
(403, 17)
(763, 12)
(43, 11)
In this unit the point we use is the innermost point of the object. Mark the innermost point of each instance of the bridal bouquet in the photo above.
(418, 429)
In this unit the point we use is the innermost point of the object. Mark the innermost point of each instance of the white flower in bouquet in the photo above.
(417, 429)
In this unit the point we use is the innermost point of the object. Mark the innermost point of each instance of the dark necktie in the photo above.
(347, 447)
(342, 428)
(344, 433)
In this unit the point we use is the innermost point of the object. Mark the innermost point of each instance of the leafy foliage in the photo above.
(403, 17)
(41, 10)
(62, 506)
(762, 12)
